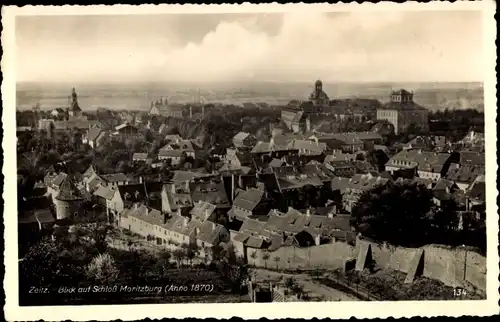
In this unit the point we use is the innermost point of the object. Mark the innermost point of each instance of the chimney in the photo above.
(136, 206)
(308, 212)
(179, 211)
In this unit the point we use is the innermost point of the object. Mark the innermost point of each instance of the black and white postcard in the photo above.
(339, 159)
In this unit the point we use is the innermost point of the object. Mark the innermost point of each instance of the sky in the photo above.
(358, 46)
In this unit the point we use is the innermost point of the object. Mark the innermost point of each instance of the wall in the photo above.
(452, 266)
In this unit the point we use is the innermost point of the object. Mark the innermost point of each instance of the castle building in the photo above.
(402, 112)
(163, 108)
(68, 201)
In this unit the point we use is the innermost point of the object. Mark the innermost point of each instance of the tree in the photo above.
(217, 253)
(394, 213)
(179, 256)
(265, 257)
(253, 256)
(102, 269)
(191, 250)
(277, 260)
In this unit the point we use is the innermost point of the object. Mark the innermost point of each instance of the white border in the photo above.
(271, 310)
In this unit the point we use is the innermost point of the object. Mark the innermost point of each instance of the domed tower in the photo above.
(318, 86)
(68, 201)
(318, 96)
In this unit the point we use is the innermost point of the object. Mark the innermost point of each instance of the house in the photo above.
(176, 198)
(427, 143)
(94, 137)
(263, 152)
(173, 231)
(463, 176)
(110, 198)
(248, 203)
(114, 179)
(140, 157)
(298, 187)
(296, 120)
(351, 189)
(58, 112)
(473, 139)
(292, 228)
(308, 148)
(203, 211)
(476, 195)
(402, 112)
(471, 158)
(183, 146)
(181, 176)
(173, 155)
(339, 167)
(338, 155)
(173, 138)
(431, 165)
(126, 130)
(244, 140)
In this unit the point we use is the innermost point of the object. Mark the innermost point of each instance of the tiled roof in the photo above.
(465, 173)
(276, 163)
(339, 156)
(477, 191)
(311, 148)
(114, 177)
(248, 199)
(68, 190)
(212, 191)
(209, 232)
(181, 176)
(170, 153)
(104, 192)
(94, 133)
(202, 210)
(241, 136)
(139, 156)
(173, 137)
(472, 158)
(423, 160)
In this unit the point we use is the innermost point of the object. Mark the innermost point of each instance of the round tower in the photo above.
(68, 201)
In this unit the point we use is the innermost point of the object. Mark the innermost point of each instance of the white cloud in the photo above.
(346, 47)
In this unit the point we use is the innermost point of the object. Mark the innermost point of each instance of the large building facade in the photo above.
(402, 112)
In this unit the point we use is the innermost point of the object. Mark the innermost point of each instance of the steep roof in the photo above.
(104, 192)
(241, 136)
(423, 160)
(115, 177)
(202, 210)
(68, 191)
(94, 133)
(249, 199)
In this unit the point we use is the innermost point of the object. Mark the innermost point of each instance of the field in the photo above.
(130, 96)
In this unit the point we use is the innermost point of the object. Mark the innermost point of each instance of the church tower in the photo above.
(74, 108)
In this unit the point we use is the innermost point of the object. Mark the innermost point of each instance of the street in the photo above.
(317, 291)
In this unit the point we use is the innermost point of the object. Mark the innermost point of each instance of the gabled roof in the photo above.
(249, 199)
(241, 136)
(423, 160)
(94, 133)
(181, 176)
(139, 156)
(465, 173)
(114, 177)
(202, 210)
(68, 190)
(170, 153)
(104, 192)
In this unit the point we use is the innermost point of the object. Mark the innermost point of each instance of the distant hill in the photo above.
(132, 96)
